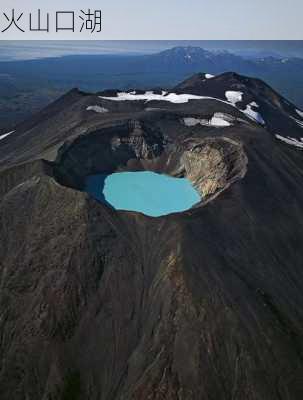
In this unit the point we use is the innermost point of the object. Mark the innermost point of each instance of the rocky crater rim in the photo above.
(211, 164)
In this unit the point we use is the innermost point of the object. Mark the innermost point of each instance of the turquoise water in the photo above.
(146, 192)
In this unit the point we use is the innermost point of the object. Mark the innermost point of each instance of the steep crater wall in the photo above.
(212, 164)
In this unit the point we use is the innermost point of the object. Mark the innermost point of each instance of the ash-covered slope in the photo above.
(205, 304)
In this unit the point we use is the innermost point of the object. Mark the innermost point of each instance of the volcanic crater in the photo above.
(99, 304)
(210, 164)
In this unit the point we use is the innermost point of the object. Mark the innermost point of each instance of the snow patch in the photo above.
(97, 109)
(150, 96)
(291, 141)
(299, 113)
(217, 120)
(233, 96)
(191, 121)
(6, 134)
(298, 122)
(254, 114)
(150, 109)
(209, 76)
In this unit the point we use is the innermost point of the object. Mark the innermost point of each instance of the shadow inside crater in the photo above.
(94, 185)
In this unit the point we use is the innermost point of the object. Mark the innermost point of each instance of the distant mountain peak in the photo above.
(186, 51)
(192, 51)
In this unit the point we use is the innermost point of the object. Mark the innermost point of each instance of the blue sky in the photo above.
(175, 19)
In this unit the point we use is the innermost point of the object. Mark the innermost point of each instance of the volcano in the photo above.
(98, 303)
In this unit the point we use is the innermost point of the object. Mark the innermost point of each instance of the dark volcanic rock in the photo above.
(100, 304)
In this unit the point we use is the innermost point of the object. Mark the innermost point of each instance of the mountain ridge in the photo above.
(30, 85)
